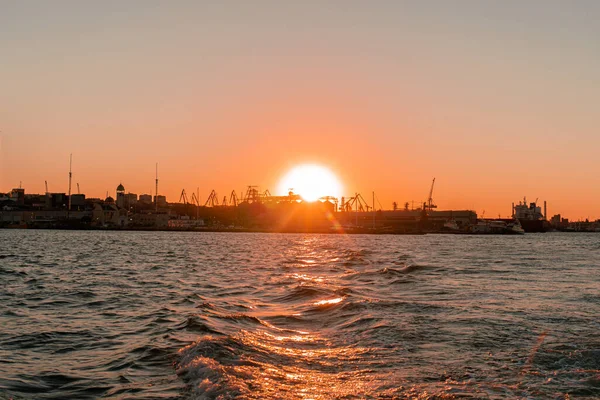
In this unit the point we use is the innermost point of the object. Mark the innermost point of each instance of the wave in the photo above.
(241, 318)
(51, 340)
(303, 292)
(209, 378)
(3, 256)
(196, 324)
(8, 271)
(257, 366)
(385, 272)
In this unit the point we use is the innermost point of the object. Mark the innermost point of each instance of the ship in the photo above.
(530, 216)
(497, 227)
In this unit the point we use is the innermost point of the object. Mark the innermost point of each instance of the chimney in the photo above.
(545, 215)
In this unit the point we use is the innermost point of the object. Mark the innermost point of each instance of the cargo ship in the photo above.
(530, 216)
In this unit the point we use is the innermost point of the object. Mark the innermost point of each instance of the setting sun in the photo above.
(311, 182)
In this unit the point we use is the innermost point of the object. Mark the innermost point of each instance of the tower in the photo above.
(120, 196)
(70, 177)
(156, 191)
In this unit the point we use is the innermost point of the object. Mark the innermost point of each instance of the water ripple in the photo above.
(210, 315)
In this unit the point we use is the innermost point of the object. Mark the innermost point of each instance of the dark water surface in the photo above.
(203, 315)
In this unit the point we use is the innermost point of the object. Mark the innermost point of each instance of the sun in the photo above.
(311, 182)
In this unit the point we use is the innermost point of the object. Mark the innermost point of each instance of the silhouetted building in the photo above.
(146, 199)
(131, 199)
(151, 219)
(77, 201)
(161, 200)
(18, 196)
(56, 200)
(120, 196)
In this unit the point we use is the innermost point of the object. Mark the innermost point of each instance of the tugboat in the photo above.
(530, 217)
(515, 227)
(498, 227)
(451, 226)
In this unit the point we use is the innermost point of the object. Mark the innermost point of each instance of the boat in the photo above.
(450, 226)
(497, 227)
(515, 227)
(530, 217)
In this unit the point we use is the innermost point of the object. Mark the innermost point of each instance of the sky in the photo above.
(495, 99)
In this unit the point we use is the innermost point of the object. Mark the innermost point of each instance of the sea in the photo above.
(192, 315)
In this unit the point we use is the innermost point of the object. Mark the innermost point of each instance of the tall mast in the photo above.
(70, 176)
(156, 193)
(373, 209)
(356, 206)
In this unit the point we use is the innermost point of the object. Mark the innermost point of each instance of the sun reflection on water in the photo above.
(329, 301)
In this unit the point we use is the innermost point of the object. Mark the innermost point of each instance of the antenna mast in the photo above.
(373, 209)
(70, 176)
(156, 194)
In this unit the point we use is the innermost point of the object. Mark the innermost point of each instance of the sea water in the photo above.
(89, 314)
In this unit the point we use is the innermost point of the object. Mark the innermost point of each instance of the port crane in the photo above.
(183, 197)
(357, 202)
(252, 195)
(47, 192)
(195, 200)
(233, 199)
(430, 205)
(213, 199)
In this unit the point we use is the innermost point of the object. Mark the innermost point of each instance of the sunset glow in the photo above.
(299, 199)
(311, 182)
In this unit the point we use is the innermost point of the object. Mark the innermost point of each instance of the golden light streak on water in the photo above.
(329, 301)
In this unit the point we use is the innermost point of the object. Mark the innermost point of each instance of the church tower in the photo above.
(120, 196)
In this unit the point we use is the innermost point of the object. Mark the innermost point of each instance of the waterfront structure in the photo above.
(256, 211)
(56, 200)
(131, 199)
(120, 196)
(160, 201)
(151, 219)
(18, 196)
(77, 201)
(146, 198)
(109, 215)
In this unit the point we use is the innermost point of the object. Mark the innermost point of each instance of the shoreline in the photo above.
(353, 231)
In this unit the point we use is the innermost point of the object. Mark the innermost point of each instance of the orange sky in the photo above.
(495, 101)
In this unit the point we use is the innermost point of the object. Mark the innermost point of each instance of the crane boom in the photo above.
(430, 204)
(183, 197)
(213, 199)
(233, 199)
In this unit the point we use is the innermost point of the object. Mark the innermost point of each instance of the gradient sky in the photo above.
(496, 99)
